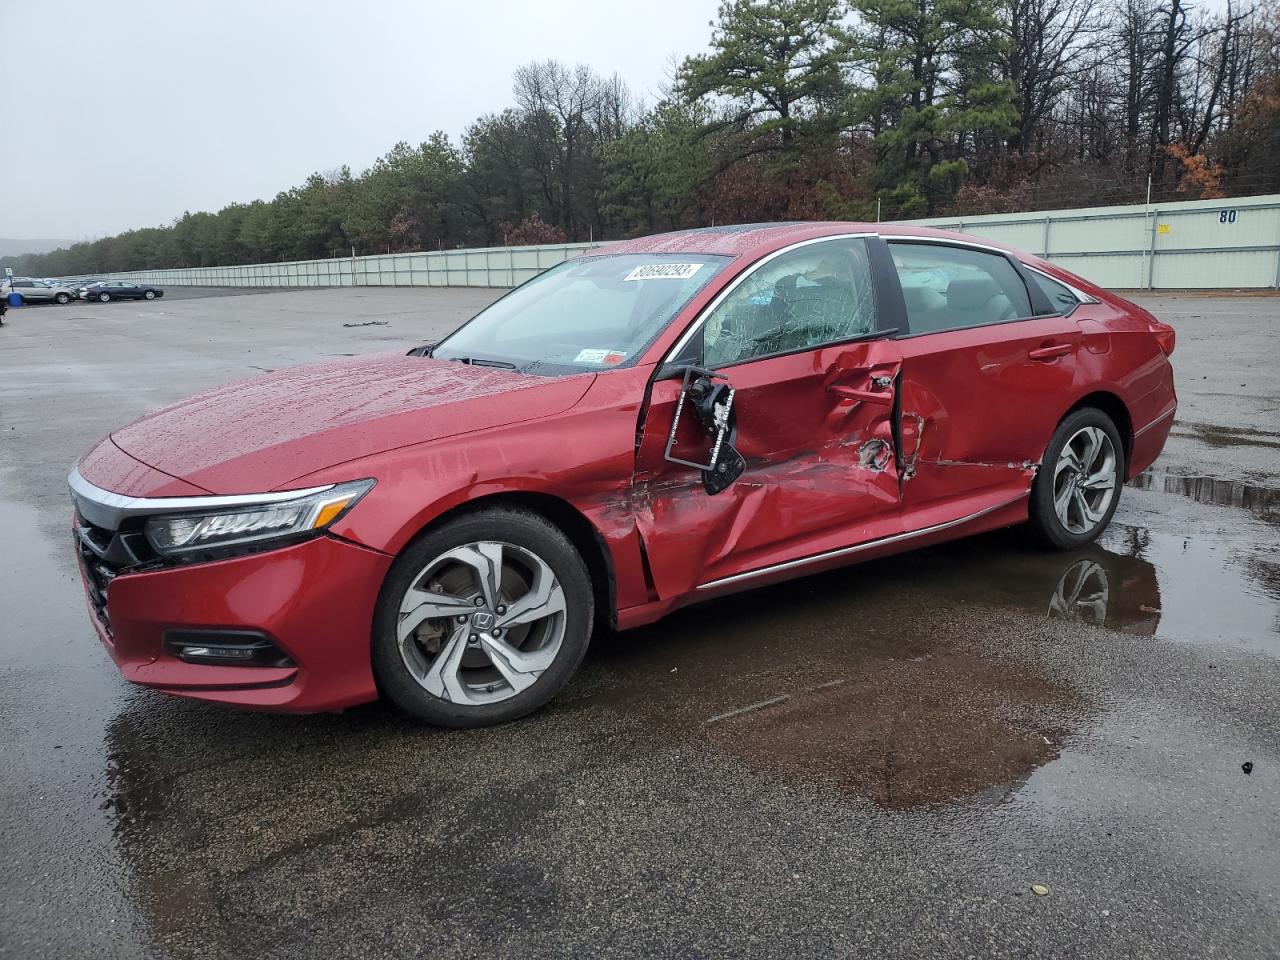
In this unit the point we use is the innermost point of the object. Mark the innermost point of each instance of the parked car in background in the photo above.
(81, 283)
(74, 284)
(120, 290)
(32, 290)
(650, 424)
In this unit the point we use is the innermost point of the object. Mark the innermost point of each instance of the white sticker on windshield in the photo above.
(664, 271)
(610, 358)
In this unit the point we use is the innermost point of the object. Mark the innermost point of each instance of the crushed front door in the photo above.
(816, 431)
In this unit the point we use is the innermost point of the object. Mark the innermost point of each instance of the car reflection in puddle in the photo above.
(1220, 577)
(1262, 502)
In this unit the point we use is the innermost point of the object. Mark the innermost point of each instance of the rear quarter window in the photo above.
(1059, 294)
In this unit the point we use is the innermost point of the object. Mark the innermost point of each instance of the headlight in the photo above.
(193, 532)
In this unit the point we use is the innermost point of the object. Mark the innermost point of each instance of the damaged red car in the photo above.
(653, 423)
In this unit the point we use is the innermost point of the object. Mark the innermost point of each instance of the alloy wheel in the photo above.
(481, 623)
(1084, 480)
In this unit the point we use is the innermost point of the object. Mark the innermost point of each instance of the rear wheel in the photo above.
(482, 620)
(1077, 489)
(104, 297)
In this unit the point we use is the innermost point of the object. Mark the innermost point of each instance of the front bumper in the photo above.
(314, 600)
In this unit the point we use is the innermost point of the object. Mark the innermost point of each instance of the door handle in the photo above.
(861, 396)
(1050, 352)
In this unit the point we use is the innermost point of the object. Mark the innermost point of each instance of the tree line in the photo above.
(800, 109)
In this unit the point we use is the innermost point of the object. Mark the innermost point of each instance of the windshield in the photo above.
(591, 313)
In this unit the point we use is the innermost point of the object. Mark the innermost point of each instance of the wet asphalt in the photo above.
(876, 762)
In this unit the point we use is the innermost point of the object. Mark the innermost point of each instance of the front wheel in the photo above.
(482, 620)
(150, 294)
(1077, 488)
(63, 298)
(104, 297)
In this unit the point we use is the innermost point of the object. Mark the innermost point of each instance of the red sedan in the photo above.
(651, 424)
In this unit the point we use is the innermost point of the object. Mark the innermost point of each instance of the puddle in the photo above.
(1220, 575)
(908, 732)
(1262, 502)
(870, 680)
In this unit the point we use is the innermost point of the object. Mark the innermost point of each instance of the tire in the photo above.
(104, 297)
(1076, 492)
(62, 298)
(463, 674)
(150, 295)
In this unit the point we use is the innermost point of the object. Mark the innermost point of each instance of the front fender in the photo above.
(584, 457)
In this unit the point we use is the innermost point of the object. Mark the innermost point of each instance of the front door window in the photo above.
(813, 295)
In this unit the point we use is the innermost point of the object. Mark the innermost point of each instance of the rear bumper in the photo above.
(314, 600)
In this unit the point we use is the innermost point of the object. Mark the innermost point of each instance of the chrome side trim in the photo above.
(1164, 416)
(988, 248)
(858, 548)
(889, 237)
(109, 510)
(733, 284)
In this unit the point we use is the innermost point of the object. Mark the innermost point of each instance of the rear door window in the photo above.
(953, 288)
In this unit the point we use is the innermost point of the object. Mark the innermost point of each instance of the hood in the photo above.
(257, 434)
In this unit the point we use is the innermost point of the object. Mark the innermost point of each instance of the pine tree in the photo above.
(779, 68)
(934, 92)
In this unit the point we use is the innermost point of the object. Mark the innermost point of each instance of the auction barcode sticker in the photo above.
(610, 358)
(664, 271)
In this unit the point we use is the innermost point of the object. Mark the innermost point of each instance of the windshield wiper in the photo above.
(478, 362)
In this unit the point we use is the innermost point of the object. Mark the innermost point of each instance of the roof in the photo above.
(734, 240)
(753, 240)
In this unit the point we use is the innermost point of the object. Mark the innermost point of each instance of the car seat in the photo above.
(926, 309)
(972, 302)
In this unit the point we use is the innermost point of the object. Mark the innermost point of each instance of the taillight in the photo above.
(1166, 336)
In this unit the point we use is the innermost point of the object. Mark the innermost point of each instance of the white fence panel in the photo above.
(1194, 244)
(1197, 244)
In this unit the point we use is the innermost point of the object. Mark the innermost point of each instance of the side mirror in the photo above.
(710, 395)
(422, 351)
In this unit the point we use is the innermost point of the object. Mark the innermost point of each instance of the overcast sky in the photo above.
(130, 112)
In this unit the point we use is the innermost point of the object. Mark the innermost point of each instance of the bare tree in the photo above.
(1043, 59)
(563, 107)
